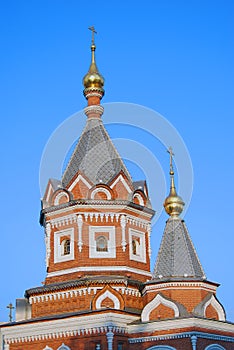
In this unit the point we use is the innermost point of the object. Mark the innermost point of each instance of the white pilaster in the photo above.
(149, 235)
(123, 222)
(47, 242)
(80, 224)
(110, 337)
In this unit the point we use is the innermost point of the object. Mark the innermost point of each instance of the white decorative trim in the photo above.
(58, 256)
(63, 220)
(102, 216)
(179, 285)
(79, 177)
(178, 323)
(123, 222)
(111, 248)
(140, 199)
(120, 208)
(98, 216)
(121, 178)
(153, 304)
(75, 293)
(140, 253)
(80, 224)
(71, 326)
(59, 196)
(132, 220)
(93, 111)
(99, 268)
(102, 190)
(217, 306)
(47, 243)
(107, 294)
(47, 348)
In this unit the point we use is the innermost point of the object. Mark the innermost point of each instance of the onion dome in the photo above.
(173, 204)
(93, 79)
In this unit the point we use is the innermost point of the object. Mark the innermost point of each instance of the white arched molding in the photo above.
(140, 199)
(161, 347)
(63, 347)
(47, 348)
(215, 347)
(101, 190)
(109, 295)
(155, 303)
(217, 306)
(59, 196)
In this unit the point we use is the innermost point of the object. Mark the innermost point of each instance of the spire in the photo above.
(173, 203)
(94, 155)
(177, 258)
(93, 84)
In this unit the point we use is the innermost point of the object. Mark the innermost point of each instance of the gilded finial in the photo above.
(93, 78)
(173, 203)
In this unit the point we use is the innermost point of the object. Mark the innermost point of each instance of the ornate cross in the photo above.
(93, 32)
(11, 307)
(170, 151)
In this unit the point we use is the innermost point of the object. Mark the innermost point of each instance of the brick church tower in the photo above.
(99, 292)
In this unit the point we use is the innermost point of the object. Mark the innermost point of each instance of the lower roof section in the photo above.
(119, 322)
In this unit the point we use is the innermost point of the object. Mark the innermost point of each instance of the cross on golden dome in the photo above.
(93, 33)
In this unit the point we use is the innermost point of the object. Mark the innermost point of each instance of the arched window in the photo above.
(66, 247)
(135, 247)
(101, 244)
(215, 347)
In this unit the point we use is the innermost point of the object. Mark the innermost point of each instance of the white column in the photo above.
(110, 337)
(47, 242)
(194, 341)
(123, 222)
(80, 224)
(149, 235)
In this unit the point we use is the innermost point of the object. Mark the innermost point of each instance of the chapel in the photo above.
(99, 291)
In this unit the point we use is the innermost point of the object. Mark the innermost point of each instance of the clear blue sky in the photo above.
(175, 57)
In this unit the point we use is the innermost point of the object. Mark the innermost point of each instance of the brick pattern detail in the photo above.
(211, 313)
(161, 312)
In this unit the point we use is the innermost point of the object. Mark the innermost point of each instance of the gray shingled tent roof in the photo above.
(95, 156)
(177, 257)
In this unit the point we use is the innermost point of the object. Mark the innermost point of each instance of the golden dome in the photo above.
(93, 79)
(173, 204)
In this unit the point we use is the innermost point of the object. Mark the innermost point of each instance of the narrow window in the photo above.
(135, 247)
(66, 247)
(101, 244)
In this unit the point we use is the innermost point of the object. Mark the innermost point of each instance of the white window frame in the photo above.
(58, 254)
(111, 248)
(142, 252)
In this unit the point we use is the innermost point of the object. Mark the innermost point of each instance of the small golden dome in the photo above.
(173, 204)
(93, 79)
